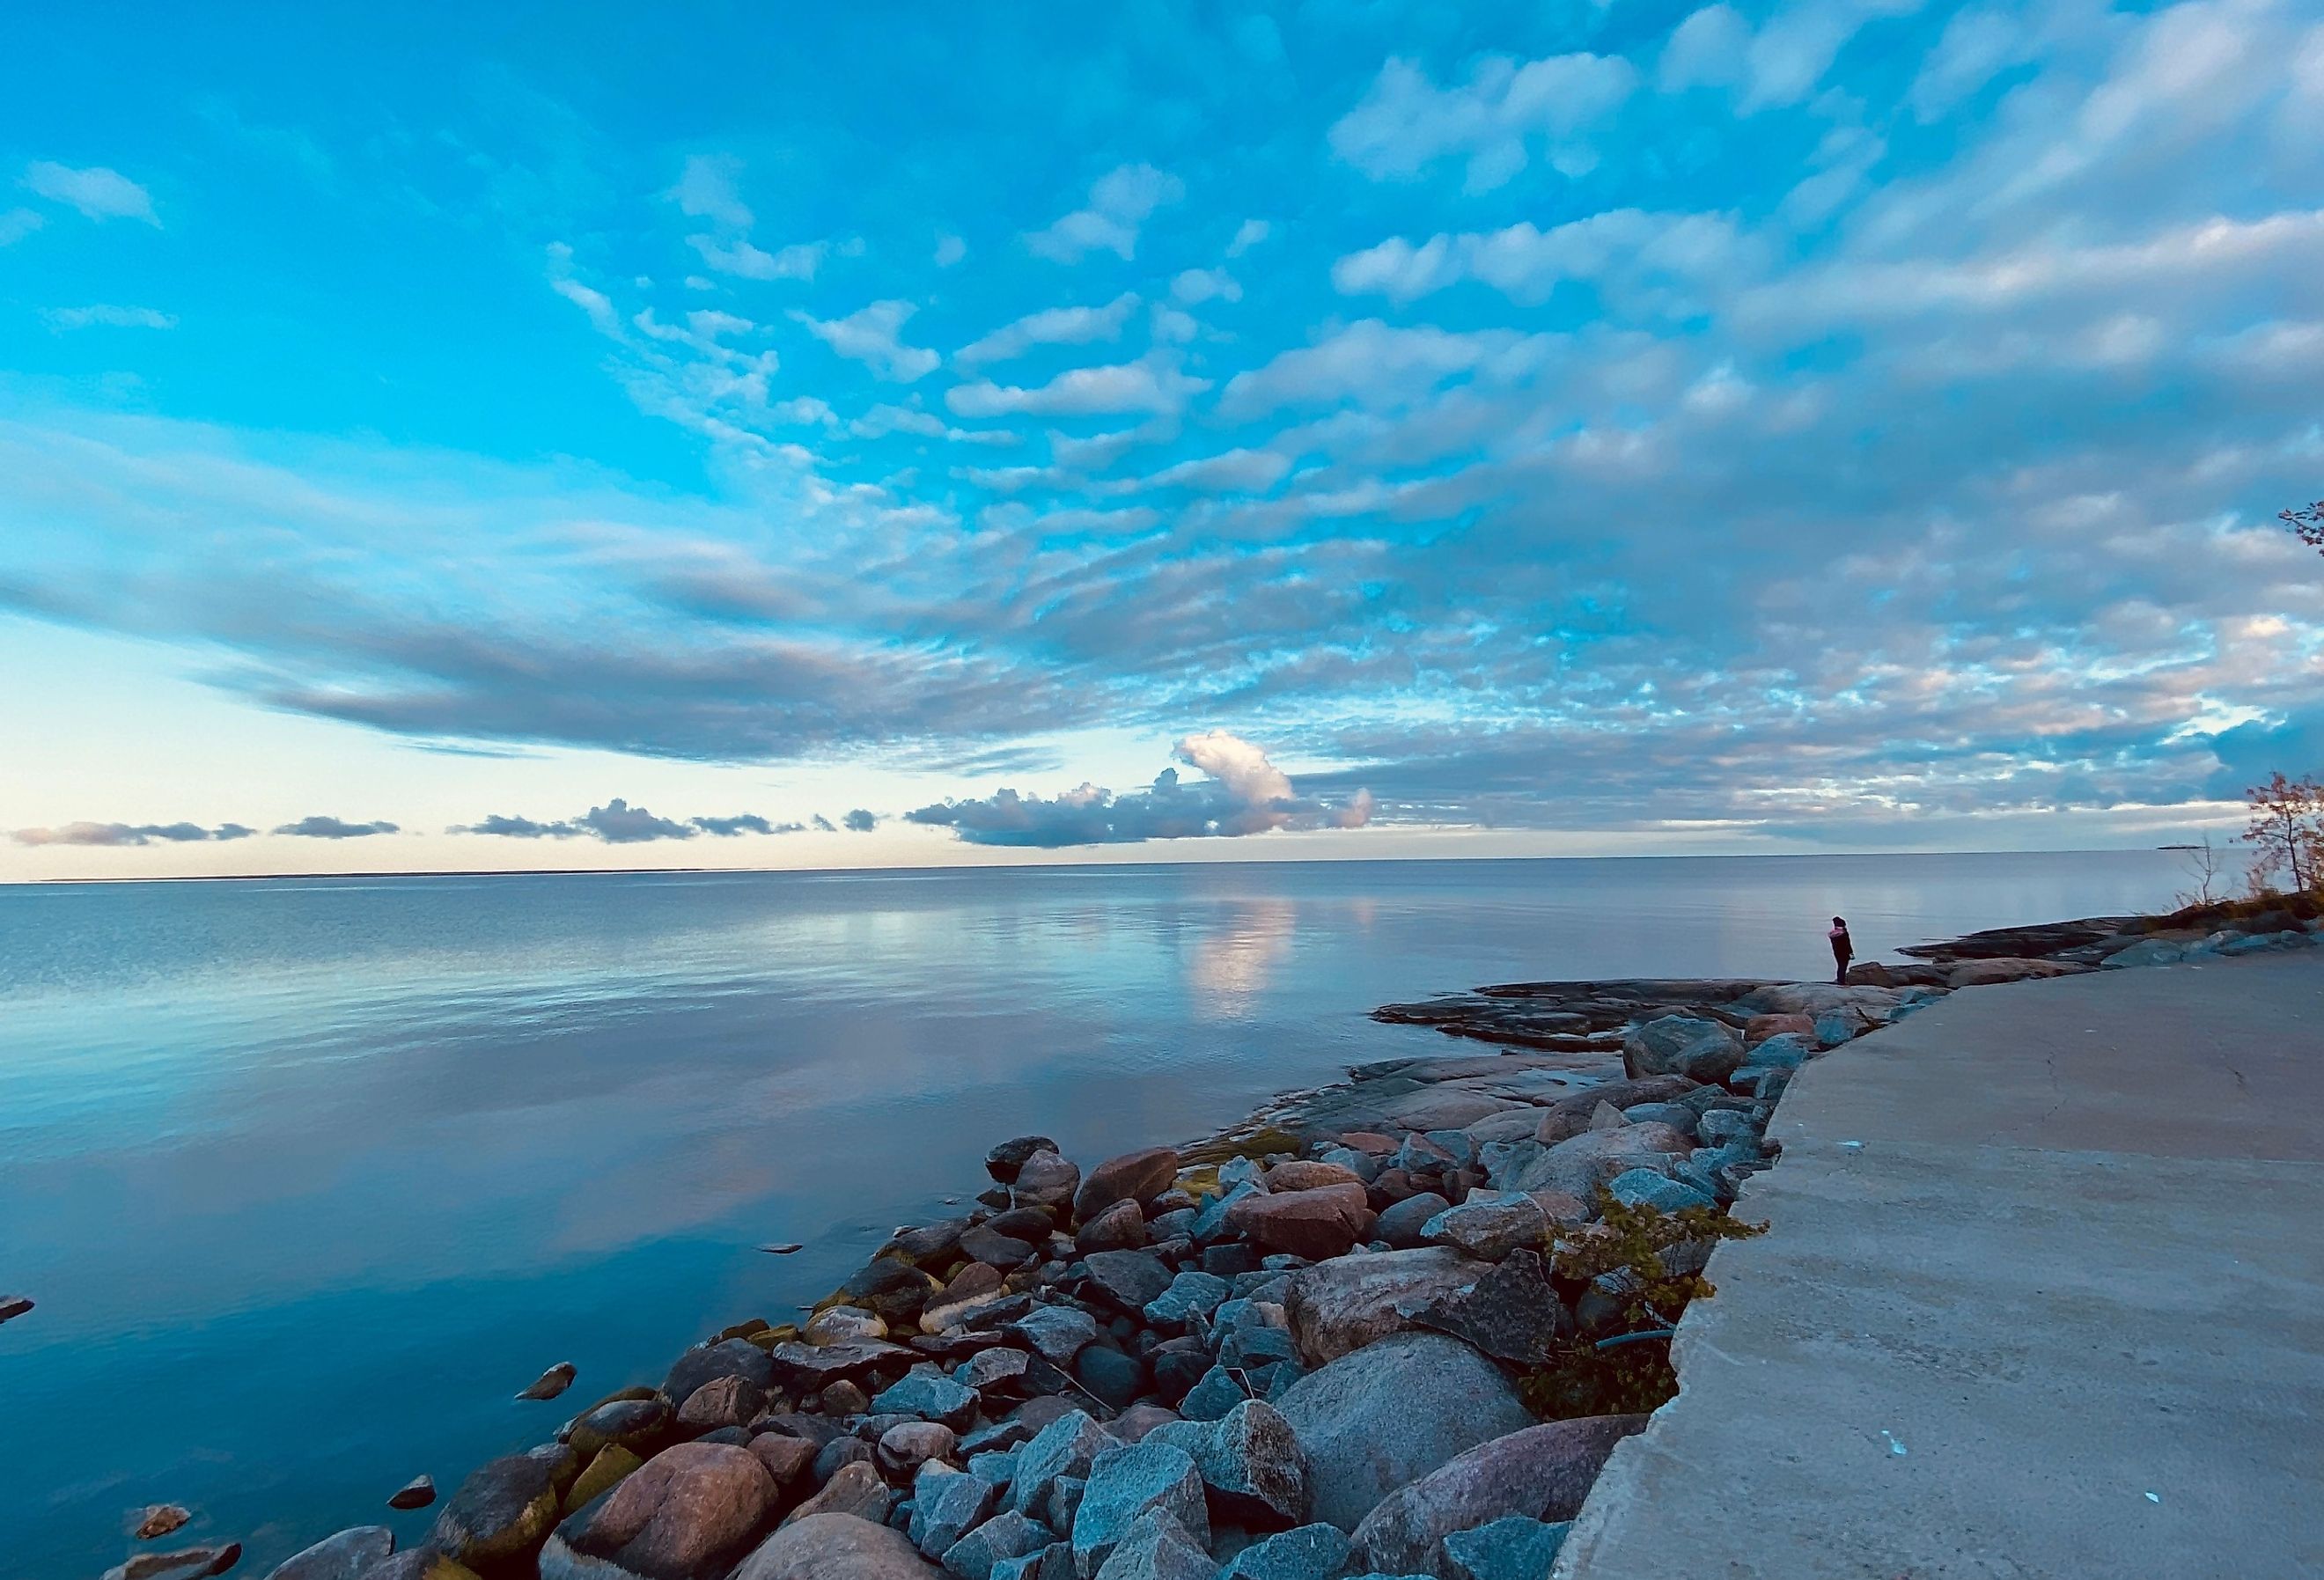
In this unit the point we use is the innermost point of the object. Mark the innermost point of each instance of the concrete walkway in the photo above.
(2044, 1295)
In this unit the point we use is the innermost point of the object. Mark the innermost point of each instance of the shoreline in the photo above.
(1315, 1338)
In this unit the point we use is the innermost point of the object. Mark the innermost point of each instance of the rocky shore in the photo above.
(1390, 1328)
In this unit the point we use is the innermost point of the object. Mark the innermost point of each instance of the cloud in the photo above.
(740, 257)
(515, 828)
(823, 825)
(1405, 122)
(871, 336)
(118, 318)
(859, 821)
(1120, 204)
(324, 828)
(16, 223)
(1245, 793)
(950, 250)
(97, 191)
(1249, 234)
(706, 189)
(1082, 392)
(619, 823)
(1195, 287)
(129, 834)
(1243, 471)
(1376, 364)
(744, 823)
(1057, 325)
(1625, 249)
(616, 823)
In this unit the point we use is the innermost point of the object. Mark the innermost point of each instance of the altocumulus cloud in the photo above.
(122, 834)
(322, 827)
(1243, 793)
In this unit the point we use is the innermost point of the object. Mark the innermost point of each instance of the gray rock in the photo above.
(1388, 1414)
(991, 1246)
(1682, 1045)
(1053, 1562)
(686, 1514)
(1400, 1223)
(1723, 1125)
(1516, 1548)
(906, 1446)
(1004, 1160)
(1210, 1399)
(1644, 1186)
(1044, 1179)
(1008, 1535)
(2147, 952)
(1490, 1223)
(1191, 1293)
(1341, 1305)
(1834, 1027)
(1254, 1468)
(836, 1546)
(1677, 1115)
(946, 1505)
(1114, 1377)
(1127, 1278)
(855, 1488)
(1540, 1473)
(1127, 1481)
(1067, 1446)
(505, 1510)
(928, 1393)
(733, 1357)
(1580, 1164)
(1119, 1227)
(1056, 1333)
(1511, 1313)
(1156, 1547)
(1310, 1552)
(343, 1557)
(1134, 1177)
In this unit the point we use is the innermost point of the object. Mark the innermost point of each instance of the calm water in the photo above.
(309, 1176)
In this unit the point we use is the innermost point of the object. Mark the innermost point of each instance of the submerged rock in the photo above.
(416, 1493)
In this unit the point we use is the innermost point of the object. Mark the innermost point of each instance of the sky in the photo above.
(477, 438)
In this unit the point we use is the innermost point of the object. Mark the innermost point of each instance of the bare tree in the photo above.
(2287, 830)
(2308, 524)
(2203, 863)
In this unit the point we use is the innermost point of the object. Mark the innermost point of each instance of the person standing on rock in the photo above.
(1843, 949)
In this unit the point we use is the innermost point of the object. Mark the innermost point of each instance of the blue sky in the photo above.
(732, 437)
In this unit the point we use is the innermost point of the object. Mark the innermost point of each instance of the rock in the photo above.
(505, 1508)
(1156, 1547)
(1386, 1415)
(1490, 1225)
(344, 1556)
(1570, 1115)
(1127, 1278)
(724, 1401)
(1111, 1376)
(1540, 1473)
(416, 1493)
(1307, 1174)
(419, 1564)
(1045, 1179)
(1682, 1045)
(783, 1248)
(787, 1459)
(1515, 1548)
(1053, 1562)
(843, 1398)
(1834, 1027)
(1005, 1535)
(1254, 1469)
(928, 1393)
(906, 1446)
(639, 1425)
(855, 1488)
(185, 1564)
(1119, 1227)
(1124, 1483)
(836, 1546)
(946, 1504)
(1210, 1399)
(1000, 1373)
(604, 1472)
(1993, 972)
(1192, 1293)
(1055, 1333)
(1644, 1186)
(1400, 1223)
(160, 1519)
(1311, 1224)
(840, 1324)
(1066, 1447)
(686, 1514)
(1511, 1313)
(807, 1368)
(892, 1288)
(1309, 1552)
(837, 1455)
(929, 1245)
(551, 1382)
(1579, 1165)
(2147, 952)
(1132, 1425)
(1004, 1160)
(987, 1244)
(1134, 1177)
(1760, 1027)
(732, 1357)
(12, 1307)
(1342, 1305)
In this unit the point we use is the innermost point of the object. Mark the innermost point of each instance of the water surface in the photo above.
(309, 1176)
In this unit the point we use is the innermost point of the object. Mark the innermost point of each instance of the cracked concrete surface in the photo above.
(2044, 1295)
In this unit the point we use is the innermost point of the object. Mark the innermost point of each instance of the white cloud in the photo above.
(950, 250)
(1248, 234)
(1057, 325)
(737, 256)
(871, 336)
(882, 421)
(1527, 264)
(1243, 471)
(1375, 365)
(97, 191)
(109, 316)
(1130, 386)
(1121, 202)
(1405, 122)
(16, 223)
(705, 190)
(1196, 286)
(1706, 49)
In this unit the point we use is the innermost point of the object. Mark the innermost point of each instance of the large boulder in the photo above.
(505, 1510)
(1004, 1160)
(1338, 1306)
(347, 1556)
(1878, 1004)
(1044, 1179)
(686, 1514)
(836, 1546)
(1579, 1165)
(1312, 1223)
(1134, 1177)
(1490, 1223)
(734, 1357)
(1389, 1414)
(1511, 1313)
(1682, 1045)
(1124, 1483)
(1539, 1473)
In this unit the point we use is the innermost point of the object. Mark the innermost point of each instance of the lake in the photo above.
(309, 1176)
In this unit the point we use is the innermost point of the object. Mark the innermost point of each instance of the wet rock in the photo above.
(906, 1446)
(159, 1521)
(686, 1514)
(928, 1393)
(1056, 1333)
(1134, 1177)
(1119, 1227)
(1311, 1224)
(344, 1556)
(1511, 1313)
(601, 1474)
(836, 1546)
(12, 1307)
(639, 1425)
(931, 1244)
(1045, 1181)
(551, 1382)
(1539, 1473)
(946, 1505)
(1156, 1547)
(1516, 1548)
(1682, 1045)
(416, 1493)
(1004, 1160)
(892, 1288)
(1126, 1481)
(505, 1508)
(856, 1489)
(1005, 1535)
(1127, 1279)
(731, 1357)
(1309, 1552)
(1342, 1305)
(185, 1564)
(1389, 1414)
(1066, 1448)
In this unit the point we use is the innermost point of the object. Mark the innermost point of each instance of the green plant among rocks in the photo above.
(1649, 1262)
